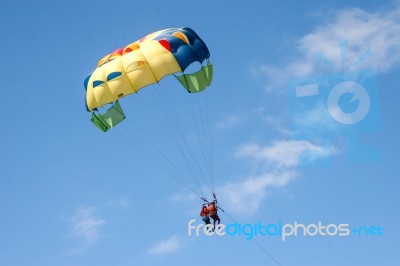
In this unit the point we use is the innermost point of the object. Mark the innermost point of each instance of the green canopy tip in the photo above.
(112, 117)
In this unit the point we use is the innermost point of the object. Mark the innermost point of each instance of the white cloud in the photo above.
(183, 198)
(276, 168)
(165, 246)
(276, 77)
(246, 196)
(122, 201)
(85, 225)
(231, 121)
(371, 41)
(317, 118)
(284, 153)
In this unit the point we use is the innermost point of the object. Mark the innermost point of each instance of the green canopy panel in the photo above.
(112, 117)
(198, 81)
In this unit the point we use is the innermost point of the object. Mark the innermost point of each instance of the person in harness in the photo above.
(205, 214)
(213, 212)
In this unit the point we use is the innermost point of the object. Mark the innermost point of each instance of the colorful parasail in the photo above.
(141, 63)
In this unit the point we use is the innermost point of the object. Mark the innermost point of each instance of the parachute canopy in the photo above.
(146, 61)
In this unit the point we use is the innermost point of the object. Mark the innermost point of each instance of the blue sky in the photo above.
(72, 195)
